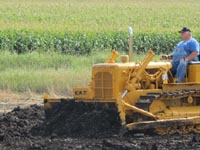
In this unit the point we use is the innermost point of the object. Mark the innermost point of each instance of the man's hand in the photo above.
(183, 59)
(166, 57)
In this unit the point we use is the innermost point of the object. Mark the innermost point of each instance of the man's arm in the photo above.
(194, 49)
(191, 56)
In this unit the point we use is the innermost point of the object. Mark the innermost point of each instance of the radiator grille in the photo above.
(103, 85)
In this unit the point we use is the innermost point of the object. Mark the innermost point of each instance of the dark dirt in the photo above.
(78, 119)
(28, 129)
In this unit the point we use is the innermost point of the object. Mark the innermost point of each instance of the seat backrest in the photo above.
(194, 63)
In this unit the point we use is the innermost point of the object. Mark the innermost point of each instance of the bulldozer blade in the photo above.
(71, 117)
(72, 106)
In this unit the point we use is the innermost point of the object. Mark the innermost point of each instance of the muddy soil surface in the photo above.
(26, 128)
(10, 100)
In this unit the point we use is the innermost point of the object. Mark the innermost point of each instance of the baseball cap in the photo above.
(184, 29)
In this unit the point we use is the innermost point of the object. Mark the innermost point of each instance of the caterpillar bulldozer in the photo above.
(145, 94)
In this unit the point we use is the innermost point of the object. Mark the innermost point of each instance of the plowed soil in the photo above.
(26, 128)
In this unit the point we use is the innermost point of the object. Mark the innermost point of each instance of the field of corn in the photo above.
(44, 43)
(79, 27)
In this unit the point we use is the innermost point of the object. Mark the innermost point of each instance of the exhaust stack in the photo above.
(130, 30)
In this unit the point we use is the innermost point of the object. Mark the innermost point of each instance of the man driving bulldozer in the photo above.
(187, 50)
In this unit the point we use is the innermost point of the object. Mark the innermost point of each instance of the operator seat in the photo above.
(194, 71)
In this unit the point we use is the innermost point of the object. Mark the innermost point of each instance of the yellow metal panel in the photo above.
(194, 73)
(181, 111)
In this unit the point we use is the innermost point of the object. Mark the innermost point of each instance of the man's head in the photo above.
(185, 33)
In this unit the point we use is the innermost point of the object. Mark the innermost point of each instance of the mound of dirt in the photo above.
(18, 123)
(78, 119)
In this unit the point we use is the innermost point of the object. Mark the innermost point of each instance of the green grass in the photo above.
(95, 15)
(45, 72)
(48, 72)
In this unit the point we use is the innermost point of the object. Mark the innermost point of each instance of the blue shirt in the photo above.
(185, 48)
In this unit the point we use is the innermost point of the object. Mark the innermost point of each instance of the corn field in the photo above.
(77, 43)
(80, 27)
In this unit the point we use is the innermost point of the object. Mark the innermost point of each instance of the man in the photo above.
(187, 50)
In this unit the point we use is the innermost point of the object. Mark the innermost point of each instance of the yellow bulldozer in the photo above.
(145, 94)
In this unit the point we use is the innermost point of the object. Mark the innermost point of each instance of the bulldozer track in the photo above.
(179, 94)
(146, 100)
